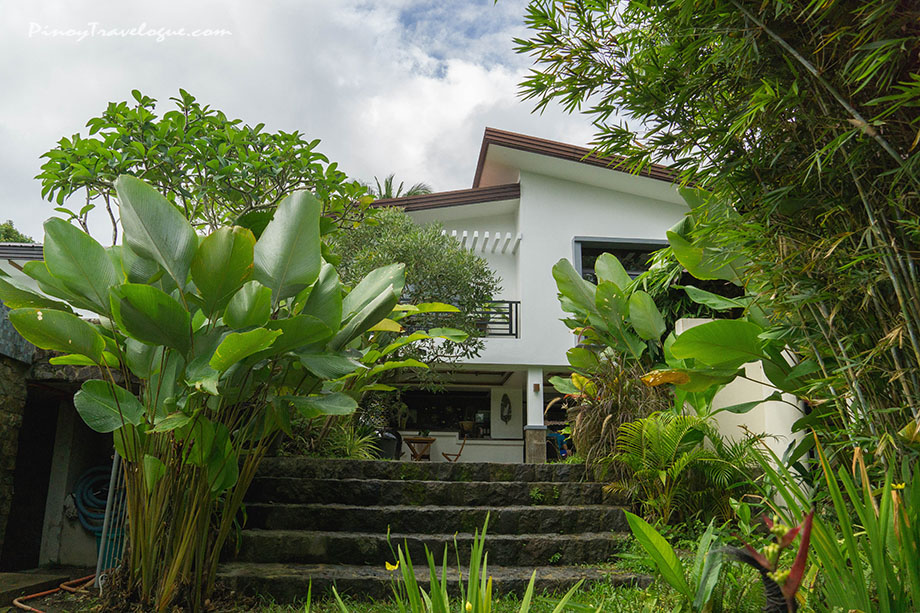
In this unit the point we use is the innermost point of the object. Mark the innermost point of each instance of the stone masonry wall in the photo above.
(12, 402)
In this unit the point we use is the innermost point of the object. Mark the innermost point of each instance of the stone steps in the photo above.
(361, 548)
(314, 468)
(290, 582)
(375, 492)
(326, 522)
(432, 519)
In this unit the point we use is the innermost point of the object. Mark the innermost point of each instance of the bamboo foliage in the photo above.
(801, 117)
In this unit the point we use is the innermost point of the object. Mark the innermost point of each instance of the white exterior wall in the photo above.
(553, 212)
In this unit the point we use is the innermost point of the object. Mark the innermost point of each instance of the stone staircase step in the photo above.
(371, 492)
(318, 468)
(287, 583)
(432, 520)
(314, 547)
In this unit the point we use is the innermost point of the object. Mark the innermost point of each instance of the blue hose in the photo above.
(90, 495)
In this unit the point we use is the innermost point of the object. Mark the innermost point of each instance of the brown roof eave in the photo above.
(564, 151)
(495, 193)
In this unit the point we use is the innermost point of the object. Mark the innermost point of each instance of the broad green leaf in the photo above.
(611, 304)
(608, 268)
(374, 311)
(105, 407)
(325, 299)
(564, 385)
(428, 307)
(451, 334)
(223, 464)
(690, 380)
(336, 403)
(16, 296)
(394, 364)
(80, 263)
(725, 343)
(329, 365)
(581, 293)
(199, 439)
(131, 266)
(661, 554)
(59, 331)
(372, 286)
(297, 332)
(171, 422)
(645, 317)
(155, 229)
(701, 262)
(582, 359)
(709, 575)
(154, 469)
(200, 375)
(386, 325)
(222, 263)
(55, 287)
(75, 359)
(150, 315)
(714, 301)
(142, 359)
(746, 407)
(250, 306)
(287, 255)
(239, 345)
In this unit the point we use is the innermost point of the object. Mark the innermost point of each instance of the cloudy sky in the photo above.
(404, 86)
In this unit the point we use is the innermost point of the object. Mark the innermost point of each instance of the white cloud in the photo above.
(404, 86)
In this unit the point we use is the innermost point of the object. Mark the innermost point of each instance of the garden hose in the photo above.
(90, 494)
(73, 585)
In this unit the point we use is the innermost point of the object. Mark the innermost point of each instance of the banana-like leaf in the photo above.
(58, 331)
(329, 365)
(298, 331)
(222, 264)
(581, 293)
(325, 299)
(374, 311)
(80, 263)
(240, 345)
(336, 403)
(724, 343)
(371, 287)
(608, 268)
(17, 296)
(645, 317)
(150, 315)
(250, 306)
(715, 301)
(52, 286)
(287, 255)
(106, 407)
(155, 229)
(75, 359)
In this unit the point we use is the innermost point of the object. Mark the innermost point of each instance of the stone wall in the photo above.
(12, 402)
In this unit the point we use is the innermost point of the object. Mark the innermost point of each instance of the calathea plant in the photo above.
(206, 346)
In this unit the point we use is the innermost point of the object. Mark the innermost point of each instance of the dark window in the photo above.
(450, 411)
(633, 255)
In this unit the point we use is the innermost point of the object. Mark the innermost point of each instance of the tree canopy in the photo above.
(438, 269)
(801, 118)
(216, 170)
(9, 234)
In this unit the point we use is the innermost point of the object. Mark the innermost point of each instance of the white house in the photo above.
(533, 202)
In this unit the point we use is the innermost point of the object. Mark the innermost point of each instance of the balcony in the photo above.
(500, 319)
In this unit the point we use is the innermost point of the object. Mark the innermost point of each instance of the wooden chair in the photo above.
(453, 457)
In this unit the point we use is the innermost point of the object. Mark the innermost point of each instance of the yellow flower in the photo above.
(897, 486)
(469, 606)
(392, 567)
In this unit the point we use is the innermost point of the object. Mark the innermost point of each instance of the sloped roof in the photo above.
(457, 197)
(564, 151)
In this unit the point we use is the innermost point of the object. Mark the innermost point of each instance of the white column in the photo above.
(534, 395)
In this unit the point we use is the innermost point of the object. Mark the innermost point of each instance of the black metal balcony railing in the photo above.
(500, 318)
